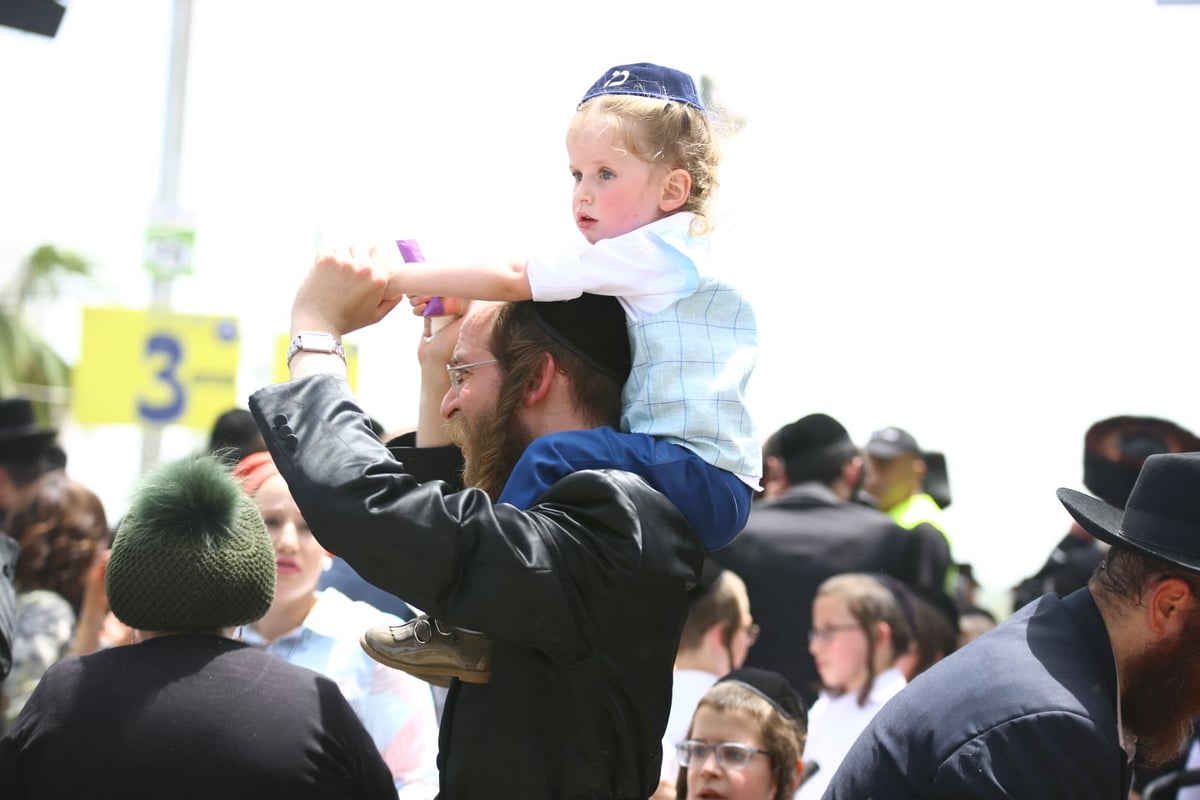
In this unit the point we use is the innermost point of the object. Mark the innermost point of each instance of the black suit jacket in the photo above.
(789, 547)
(1028, 710)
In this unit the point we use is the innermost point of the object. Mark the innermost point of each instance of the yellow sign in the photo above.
(155, 367)
(280, 373)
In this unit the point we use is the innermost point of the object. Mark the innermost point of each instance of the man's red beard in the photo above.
(1162, 695)
(493, 443)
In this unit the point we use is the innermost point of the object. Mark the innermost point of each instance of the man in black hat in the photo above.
(1114, 450)
(584, 593)
(1059, 699)
(25, 449)
(809, 531)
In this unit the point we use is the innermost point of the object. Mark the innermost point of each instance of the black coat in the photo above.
(790, 545)
(1028, 710)
(9, 550)
(584, 593)
(189, 716)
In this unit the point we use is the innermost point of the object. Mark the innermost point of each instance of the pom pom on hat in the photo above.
(192, 553)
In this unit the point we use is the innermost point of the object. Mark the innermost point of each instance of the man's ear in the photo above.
(540, 381)
(774, 472)
(851, 478)
(676, 189)
(714, 636)
(1169, 600)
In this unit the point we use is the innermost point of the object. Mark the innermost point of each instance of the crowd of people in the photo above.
(584, 572)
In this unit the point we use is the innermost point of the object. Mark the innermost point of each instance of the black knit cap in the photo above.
(191, 554)
(592, 327)
(772, 687)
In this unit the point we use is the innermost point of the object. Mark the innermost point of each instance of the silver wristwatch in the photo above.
(315, 342)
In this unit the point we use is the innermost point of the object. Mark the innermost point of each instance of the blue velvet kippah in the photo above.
(647, 80)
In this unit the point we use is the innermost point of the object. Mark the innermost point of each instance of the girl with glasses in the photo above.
(859, 631)
(746, 740)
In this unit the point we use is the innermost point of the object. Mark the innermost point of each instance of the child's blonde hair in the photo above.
(782, 737)
(662, 133)
(870, 602)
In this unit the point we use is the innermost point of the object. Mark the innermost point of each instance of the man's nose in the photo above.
(449, 402)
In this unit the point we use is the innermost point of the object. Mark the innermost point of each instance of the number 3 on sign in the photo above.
(163, 354)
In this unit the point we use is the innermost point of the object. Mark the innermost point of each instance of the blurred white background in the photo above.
(977, 221)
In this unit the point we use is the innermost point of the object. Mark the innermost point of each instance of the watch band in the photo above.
(315, 342)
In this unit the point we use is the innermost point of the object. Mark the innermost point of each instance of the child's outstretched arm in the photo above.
(496, 281)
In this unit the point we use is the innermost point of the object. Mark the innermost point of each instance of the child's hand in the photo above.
(451, 306)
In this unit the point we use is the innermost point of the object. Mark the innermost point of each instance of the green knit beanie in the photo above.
(191, 554)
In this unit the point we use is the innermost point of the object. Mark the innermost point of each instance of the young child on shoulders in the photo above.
(644, 154)
(746, 741)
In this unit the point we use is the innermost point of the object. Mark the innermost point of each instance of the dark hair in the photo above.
(60, 525)
(825, 466)
(234, 436)
(721, 604)
(1125, 574)
(520, 341)
(936, 633)
(815, 447)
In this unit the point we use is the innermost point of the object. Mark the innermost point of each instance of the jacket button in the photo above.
(290, 442)
(280, 419)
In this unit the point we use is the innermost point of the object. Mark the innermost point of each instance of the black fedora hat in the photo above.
(18, 428)
(1162, 516)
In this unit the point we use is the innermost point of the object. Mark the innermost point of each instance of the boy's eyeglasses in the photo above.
(825, 634)
(456, 371)
(730, 755)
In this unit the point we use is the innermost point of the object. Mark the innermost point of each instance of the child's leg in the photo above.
(716, 503)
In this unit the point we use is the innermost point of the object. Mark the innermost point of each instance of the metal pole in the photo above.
(168, 192)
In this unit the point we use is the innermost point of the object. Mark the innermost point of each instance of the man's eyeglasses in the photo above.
(457, 371)
(752, 632)
(730, 755)
(825, 634)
